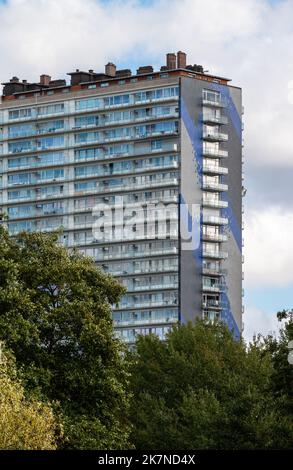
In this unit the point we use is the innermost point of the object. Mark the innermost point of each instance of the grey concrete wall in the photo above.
(191, 193)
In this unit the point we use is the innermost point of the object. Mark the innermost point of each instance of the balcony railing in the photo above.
(212, 288)
(214, 203)
(220, 103)
(214, 169)
(209, 118)
(215, 136)
(214, 186)
(143, 321)
(214, 220)
(148, 287)
(214, 272)
(214, 254)
(215, 237)
(147, 304)
(208, 152)
(142, 270)
(135, 254)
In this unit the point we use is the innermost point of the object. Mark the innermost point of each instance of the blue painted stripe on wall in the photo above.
(228, 316)
(236, 121)
(233, 224)
(231, 108)
(195, 135)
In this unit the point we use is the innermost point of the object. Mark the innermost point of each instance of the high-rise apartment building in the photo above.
(144, 174)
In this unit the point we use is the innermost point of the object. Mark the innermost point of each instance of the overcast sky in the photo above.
(249, 41)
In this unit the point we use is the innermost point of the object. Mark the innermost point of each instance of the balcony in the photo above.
(214, 153)
(214, 254)
(148, 287)
(214, 220)
(212, 288)
(150, 304)
(211, 119)
(214, 169)
(214, 186)
(220, 103)
(211, 314)
(215, 136)
(135, 254)
(215, 237)
(214, 272)
(214, 203)
(131, 271)
(145, 321)
(212, 304)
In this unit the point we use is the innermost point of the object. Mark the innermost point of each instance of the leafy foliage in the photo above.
(55, 315)
(25, 424)
(202, 389)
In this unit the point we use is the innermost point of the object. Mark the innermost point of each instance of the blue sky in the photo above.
(249, 41)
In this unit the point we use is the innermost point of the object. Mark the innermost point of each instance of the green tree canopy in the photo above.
(25, 424)
(202, 389)
(55, 315)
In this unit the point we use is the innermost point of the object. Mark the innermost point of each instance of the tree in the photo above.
(25, 424)
(202, 389)
(55, 315)
(279, 350)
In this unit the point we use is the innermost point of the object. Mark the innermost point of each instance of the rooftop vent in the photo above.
(171, 61)
(181, 60)
(145, 69)
(110, 69)
(45, 80)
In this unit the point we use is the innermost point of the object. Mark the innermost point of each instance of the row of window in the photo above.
(141, 267)
(145, 316)
(59, 157)
(55, 174)
(159, 298)
(89, 201)
(127, 132)
(24, 130)
(127, 183)
(130, 335)
(119, 100)
(44, 143)
(92, 103)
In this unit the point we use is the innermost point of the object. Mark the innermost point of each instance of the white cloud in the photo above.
(258, 321)
(268, 248)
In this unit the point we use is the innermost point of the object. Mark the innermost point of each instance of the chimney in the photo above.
(45, 80)
(171, 60)
(181, 60)
(110, 69)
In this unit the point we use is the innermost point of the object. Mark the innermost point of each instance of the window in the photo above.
(88, 154)
(47, 142)
(88, 104)
(211, 95)
(24, 113)
(21, 146)
(116, 100)
(50, 109)
(21, 130)
(85, 121)
(87, 137)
